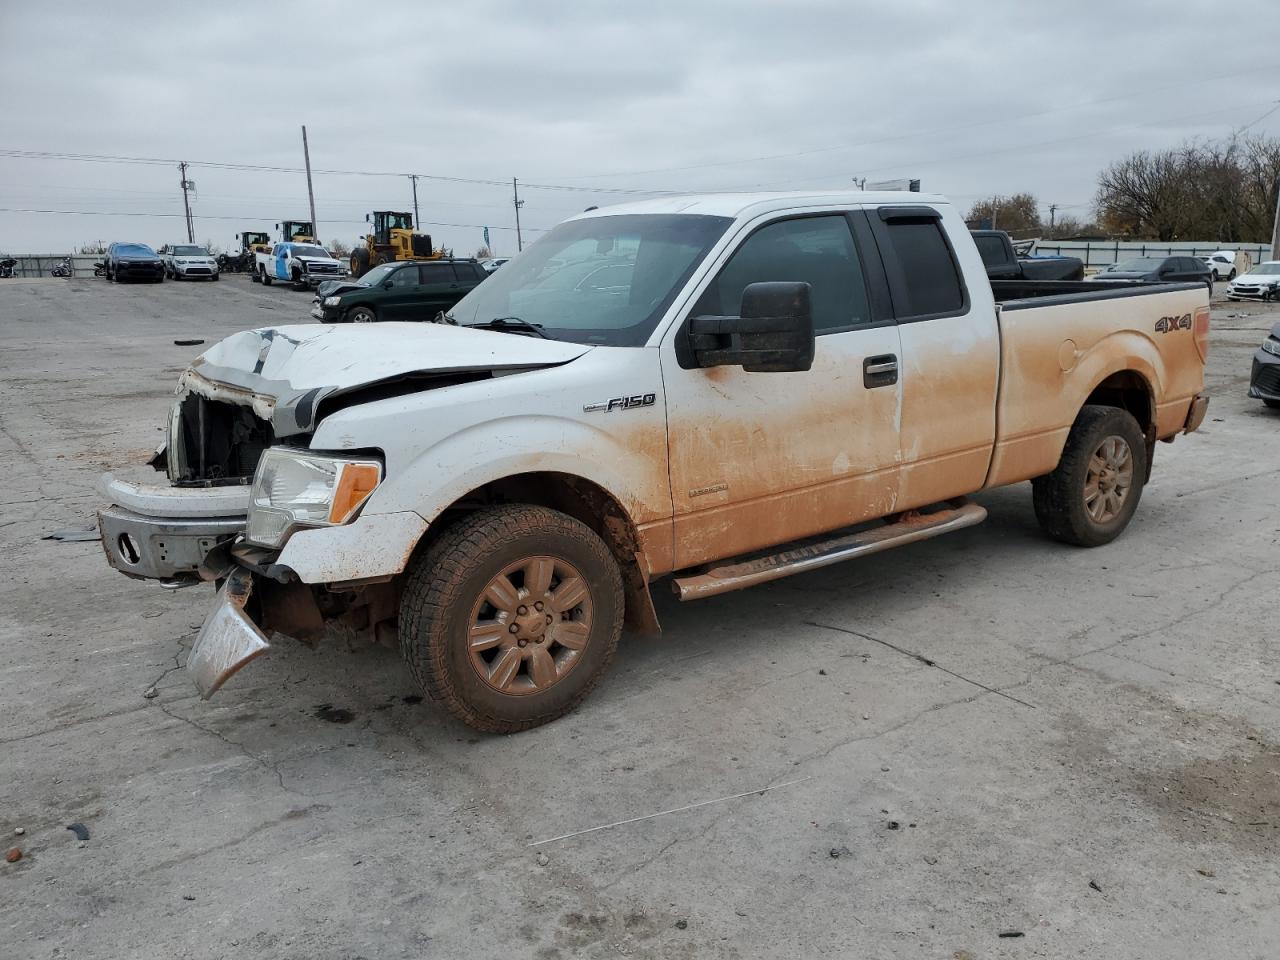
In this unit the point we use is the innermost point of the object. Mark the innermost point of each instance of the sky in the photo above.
(589, 104)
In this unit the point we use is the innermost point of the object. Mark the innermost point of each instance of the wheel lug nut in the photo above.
(548, 618)
(538, 605)
(515, 628)
(538, 640)
(522, 611)
(522, 642)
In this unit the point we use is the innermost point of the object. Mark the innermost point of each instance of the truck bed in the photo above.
(1063, 341)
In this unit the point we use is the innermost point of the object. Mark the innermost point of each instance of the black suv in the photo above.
(404, 290)
(1162, 269)
(133, 261)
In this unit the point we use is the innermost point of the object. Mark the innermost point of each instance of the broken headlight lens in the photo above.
(332, 301)
(295, 489)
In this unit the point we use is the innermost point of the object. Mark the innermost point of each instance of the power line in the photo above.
(14, 153)
(109, 213)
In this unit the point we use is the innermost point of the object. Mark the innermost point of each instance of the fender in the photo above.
(629, 463)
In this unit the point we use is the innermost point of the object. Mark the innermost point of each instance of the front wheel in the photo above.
(511, 617)
(266, 280)
(1091, 496)
(1232, 274)
(361, 315)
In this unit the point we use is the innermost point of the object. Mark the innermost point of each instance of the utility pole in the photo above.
(186, 203)
(515, 198)
(1275, 228)
(1053, 215)
(311, 197)
(417, 222)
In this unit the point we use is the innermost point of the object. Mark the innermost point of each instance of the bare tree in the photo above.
(484, 253)
(1223, 191)
(339, 249)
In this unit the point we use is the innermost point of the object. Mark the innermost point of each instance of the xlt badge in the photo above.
(622, 403)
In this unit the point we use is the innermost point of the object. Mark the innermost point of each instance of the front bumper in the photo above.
(131, 271)
(195, 270)
(324, 314)
(165, 532)
(1264, 379)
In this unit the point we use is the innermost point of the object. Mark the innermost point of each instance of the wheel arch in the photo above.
(586, 501)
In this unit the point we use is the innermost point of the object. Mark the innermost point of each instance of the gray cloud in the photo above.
(974, 98)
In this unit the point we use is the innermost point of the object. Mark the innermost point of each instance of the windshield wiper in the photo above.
(510, 323)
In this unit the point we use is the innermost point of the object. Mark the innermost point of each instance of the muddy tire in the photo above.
(1091, 496)
(511, 617)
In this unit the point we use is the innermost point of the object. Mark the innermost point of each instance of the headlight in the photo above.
(294, 489)
(332, 301)
(1272, 346)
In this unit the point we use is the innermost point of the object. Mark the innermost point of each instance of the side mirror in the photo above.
(774, 334)
(366, 218)
(387, 284)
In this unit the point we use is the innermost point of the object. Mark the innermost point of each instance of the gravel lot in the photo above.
(1092, 763)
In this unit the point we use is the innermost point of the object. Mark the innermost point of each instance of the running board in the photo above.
(747, 573)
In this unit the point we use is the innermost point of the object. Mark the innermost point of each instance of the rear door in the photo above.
(439, 287)
(758, 459)
(950, 356)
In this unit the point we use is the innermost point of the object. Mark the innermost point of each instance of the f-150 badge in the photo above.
(622, 403)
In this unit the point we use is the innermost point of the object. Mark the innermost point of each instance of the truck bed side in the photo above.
(1058, 349)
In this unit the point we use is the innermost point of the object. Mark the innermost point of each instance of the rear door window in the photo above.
(433, 273)
(928, 281)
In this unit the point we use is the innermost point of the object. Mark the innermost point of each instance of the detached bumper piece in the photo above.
(228, 640)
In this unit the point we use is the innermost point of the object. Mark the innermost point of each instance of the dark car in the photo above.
(1264, 382)
(410, 290)
(1003, 263)
(133, 261)
(1161, 269)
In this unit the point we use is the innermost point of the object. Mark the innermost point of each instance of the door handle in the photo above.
(880, 371)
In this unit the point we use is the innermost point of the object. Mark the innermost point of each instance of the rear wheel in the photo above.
(511, 617)
(359, 261)
(1091, 496)
(1232, 274)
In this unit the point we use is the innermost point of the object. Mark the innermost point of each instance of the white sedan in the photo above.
(1263, 282)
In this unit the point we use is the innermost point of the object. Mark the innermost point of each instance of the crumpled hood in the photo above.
(285, 372)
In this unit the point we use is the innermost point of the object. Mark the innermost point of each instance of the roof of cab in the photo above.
(738, 205)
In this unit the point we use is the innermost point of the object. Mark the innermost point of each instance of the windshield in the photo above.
(134, 250)
(1138, 265)
(185, 251)
(310, 252)
(604, 280)
(1265, 270)
(376, 275)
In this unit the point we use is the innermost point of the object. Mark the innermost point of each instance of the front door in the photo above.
(401, 294)
(762, 458)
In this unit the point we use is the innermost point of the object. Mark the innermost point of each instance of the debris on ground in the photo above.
(1205, 872)
(1094, 885)
(13, 856)
(187, 896)
(895, 825)
(187, 343)
(1011, 934)
(543, 859)
(80, 830)
(835, 853)
(19, 831)
(682, 924)
(74, 535)
(931, 860)
(822, 673)
(150, 693)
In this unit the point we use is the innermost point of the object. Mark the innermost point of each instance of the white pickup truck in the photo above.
(303, 264)
(714, 391)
